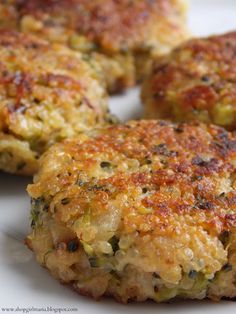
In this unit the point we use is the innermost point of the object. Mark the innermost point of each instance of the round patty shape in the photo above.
(47, 93)
(145, 210)
(196, 81)
(122, 35)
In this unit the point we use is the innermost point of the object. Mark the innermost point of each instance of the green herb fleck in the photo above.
(192, 274)
(227, 267)
(114, 241)
(114, 274)
(20, 166)
(205, 78)
(196, 178)
(65, 201)
(96, 187)
(93, 262)
(80, 182)
(105, 164)
(156, 275)
(46, 208)
(72, 245)
(37, 205)
(144, 190)
(224, 237)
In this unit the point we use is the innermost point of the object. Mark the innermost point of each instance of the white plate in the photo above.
(25, 284)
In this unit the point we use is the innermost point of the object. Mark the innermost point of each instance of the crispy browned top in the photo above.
(47, 92)
(159, 175)
(113, 25)
(199, 75)
(18, 49)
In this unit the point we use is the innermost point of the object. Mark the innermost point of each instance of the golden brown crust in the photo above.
(48, 93)
(113, 25)
(195, 81)
(124, 34)
(150, 207)
(192, 158)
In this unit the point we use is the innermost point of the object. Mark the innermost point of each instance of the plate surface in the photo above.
(26, 285)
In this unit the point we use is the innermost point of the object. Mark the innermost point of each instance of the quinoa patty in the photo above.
(47, 93)
(122, 35)
(145, 210)
(196, 81)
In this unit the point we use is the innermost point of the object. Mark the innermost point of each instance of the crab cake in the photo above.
(122, 35)
(195, 82)
(47, 93)
(145, 210)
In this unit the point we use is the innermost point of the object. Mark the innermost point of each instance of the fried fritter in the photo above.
(122, 35)
(47, 93)
(145, 210)
(195, 82)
